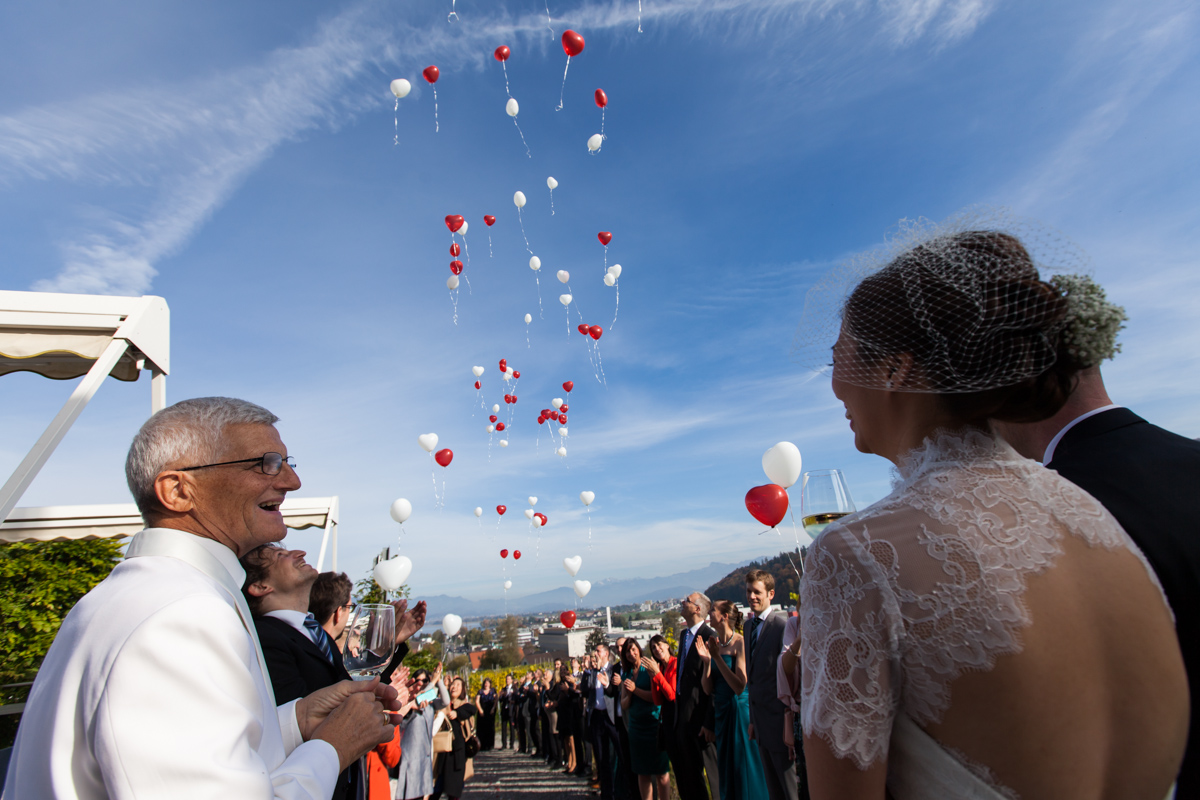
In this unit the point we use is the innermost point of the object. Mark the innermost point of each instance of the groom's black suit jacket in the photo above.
(297, 669)
(1148, 478)
(694, 759)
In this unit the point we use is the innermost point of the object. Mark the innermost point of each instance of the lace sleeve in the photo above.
(851, 626)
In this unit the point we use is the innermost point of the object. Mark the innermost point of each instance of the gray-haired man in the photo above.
(155, 685)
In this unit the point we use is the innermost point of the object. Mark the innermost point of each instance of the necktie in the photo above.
(318, 636)
(753, 638)
(683, 653)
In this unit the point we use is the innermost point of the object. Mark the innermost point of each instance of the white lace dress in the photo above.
(900, 599)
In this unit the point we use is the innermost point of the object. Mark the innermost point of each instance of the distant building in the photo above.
(571, 641)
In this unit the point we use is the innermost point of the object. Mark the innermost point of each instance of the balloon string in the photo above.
(466, 249)
(639, 16)
(521, 219)
(527, 345)
(539, 291)
(605, 259)
(548, 18)
(468, 280)
(453, 15)
(454, 303)
(552, 202)
(564, 85)
(504, 67)
(490, 240)
(567, 308)
(528, 154)
(602, 136)
(436, 127)
(589, 516)
(397, 110)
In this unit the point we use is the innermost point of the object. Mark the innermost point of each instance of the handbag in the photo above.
(472, 741)
(443, 741)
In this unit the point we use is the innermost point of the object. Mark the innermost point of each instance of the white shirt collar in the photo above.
(293, 618)
(1049, 455)
(696, 627)
(227, 557)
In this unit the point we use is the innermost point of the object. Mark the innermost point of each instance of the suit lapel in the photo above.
(1097, 425)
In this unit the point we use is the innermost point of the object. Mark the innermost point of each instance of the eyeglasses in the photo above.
(350, 606)
(270, 463)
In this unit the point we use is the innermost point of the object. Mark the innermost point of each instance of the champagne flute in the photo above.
(370, 640)
(825, 497)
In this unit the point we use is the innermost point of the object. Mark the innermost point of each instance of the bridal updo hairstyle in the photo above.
(981, 325)
(729, 609)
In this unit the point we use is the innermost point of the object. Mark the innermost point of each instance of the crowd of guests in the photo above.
(991, 629)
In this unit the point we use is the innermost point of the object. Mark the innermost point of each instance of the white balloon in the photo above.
(557, 403)
(528, 318)
(562, 431)
(491, 428)
(582, 588)
(519, 199)
(553, 184)
(782, 464)
(508, 373)
(609, 280)
(392, 573)
(478, 371)
(595, 141)
(537, 522)
(587, 497)
(401, 88)
(562, 451)
(463, 230)
(401, 510)
(495, 408)
(512, 107)
(615, 270)
(572, 565)
(428, 441)
(533, 501)
(529, 513)
(563, 276)
(535, 263)
(451, 624)
(507, 585)
(504, 442)
(565, 299)
(478, 511)
(452, 282)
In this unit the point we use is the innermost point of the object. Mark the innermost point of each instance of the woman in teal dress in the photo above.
(724, 678)
(647, 760)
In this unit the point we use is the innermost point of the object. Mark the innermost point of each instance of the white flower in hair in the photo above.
(1092, 323)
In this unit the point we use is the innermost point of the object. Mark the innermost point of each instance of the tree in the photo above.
(457, 663)
(478, 635)
(670, 628)
(42, 582)
(368, 591)
(510, 648)
(426, 659)
(595, 638)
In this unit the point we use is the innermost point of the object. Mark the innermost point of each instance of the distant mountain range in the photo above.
(615, 592)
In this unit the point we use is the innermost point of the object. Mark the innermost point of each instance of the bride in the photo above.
(987, 630)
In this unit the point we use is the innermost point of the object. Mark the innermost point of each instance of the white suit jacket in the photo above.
(154, 688)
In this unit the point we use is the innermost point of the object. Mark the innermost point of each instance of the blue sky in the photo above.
(238, 160)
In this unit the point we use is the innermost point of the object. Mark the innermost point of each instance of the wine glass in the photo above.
(370, 640)
(824, 497)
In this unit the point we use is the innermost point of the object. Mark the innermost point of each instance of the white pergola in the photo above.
(67, 336)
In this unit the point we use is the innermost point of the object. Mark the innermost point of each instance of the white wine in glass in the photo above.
(370, 640)
(824, 498)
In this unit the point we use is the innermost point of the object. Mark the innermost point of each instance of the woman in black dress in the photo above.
(486, 702)
(453, 767)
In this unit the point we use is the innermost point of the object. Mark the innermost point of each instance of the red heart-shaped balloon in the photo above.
(492, 418)
(514, 399)
(506, 398)
(455, 249)
(601, 98)
(542, 517)
(541, 420)
(501, 509)
(489, 220)
(567, 618)
(504, 365)
(564, 408)
(456, 267)
(596, 331)
(516, 375)
(582, 328)
(444, 457)
(478, 384)
(572, 43)
(504, 553)
(553, 415)
(768, 504)
(502, 53)
(431, 73)
(605, 237)
(562, 418)
(568, 386)
(499, 426)
(454, 222)
(517, 554)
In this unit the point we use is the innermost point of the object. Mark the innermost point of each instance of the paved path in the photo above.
(508, 775)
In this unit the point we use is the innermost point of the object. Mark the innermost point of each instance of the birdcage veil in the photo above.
(968, 297)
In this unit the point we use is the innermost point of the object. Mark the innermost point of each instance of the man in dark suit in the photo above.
(692, 726)
(764, 643)
(301, 655)
(1147, 478)
(507, 731)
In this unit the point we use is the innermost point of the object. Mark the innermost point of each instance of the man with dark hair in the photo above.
(764, 644)
(508, 736)
(329, 602)
(301, 654)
